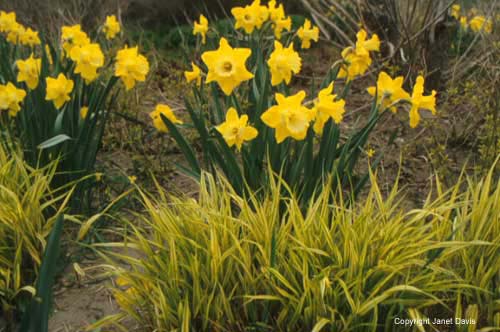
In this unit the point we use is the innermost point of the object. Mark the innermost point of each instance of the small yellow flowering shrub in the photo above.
(252, 122)
(56, 96)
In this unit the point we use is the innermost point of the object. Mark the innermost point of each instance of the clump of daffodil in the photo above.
(10, 98)
(250, 17)
(193, 75)
(201, 28)
(235, 130)
(29, 71)
(358, 59)
(88, 58)
(226, 66)
(326, 107)
(111, 27)
(289, 118)
(131, 66)
(282, 63)
(455, 11)
(16, 32)
(307, 33)
(419, 101)
(480, 23)
(72, 36)
(59, 90)
(388, 91)
(7, 21)
(167, 112)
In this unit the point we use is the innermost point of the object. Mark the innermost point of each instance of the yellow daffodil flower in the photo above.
(356, 64)
(279, 20)
(226, 66)
(372, 44)
(326, 107)
(236, 130)
(29, 71)
(282, 63)
(10, 98)
(131, 66)
(72, 36)
(263, 13)
(480, 23)
(280, 25)
(419, 101)
(463, 22)
(388, 91)
(455, 11)
(29, 37)
(84, 111)
(15, 33)
(307, 33)
(250, 17)
(276, 13)
(158, 121)
(7, 21)
(194, 75)
(88, 58)
(289, 118)
(111, 27)
(59, 90)
(201, 28)
(358, 58)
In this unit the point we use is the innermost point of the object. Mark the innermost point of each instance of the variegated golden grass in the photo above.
(223, 263)
(28, 209)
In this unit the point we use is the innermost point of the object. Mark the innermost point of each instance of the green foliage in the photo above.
(28, 209)
(224, 263)
(36, 319)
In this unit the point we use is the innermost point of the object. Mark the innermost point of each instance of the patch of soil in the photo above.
(76, 307)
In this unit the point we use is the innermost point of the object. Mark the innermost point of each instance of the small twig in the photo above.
(131, 119)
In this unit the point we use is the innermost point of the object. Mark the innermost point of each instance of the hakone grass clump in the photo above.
(224, 263)
(29, 207)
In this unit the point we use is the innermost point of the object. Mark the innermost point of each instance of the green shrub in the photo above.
(226, 264)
